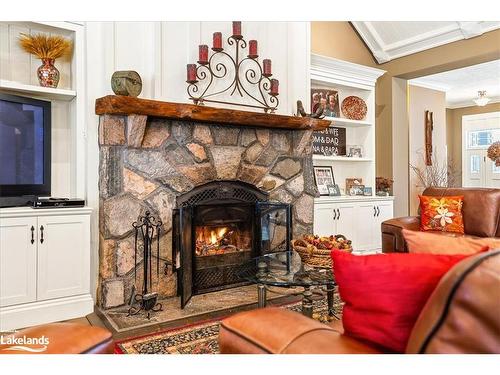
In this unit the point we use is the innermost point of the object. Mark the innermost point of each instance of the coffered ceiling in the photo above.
(389, 40)
(461, 85)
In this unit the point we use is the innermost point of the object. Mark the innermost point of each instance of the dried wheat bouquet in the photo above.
(45, 46)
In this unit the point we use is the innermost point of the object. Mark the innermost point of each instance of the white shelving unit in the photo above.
(357, 217)
(48, 280)
(349, 79)
(18, 77)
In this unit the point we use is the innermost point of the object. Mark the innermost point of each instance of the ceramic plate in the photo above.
(354, 108)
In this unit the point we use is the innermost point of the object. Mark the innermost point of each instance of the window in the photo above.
(475, 164)
(482, 138)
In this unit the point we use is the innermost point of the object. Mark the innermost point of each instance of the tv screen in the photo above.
(24, 146)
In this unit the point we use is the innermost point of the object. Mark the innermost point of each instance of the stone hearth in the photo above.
(146, 162)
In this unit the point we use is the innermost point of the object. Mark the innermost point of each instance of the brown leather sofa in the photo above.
(63, 338)
(461, 316)
(481, 212)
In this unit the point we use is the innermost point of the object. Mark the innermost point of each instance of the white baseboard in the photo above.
(54, 310)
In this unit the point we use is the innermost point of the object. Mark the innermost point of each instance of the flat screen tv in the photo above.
(24, 149)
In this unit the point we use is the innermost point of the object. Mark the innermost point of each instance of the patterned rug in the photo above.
(201, 338)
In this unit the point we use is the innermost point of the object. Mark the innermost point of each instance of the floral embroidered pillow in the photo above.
(441, 213)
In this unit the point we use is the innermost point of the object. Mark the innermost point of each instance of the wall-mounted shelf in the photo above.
(345, 122)
(38, 91)
(341, 158)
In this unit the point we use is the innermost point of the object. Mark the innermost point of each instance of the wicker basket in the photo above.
(314, 257)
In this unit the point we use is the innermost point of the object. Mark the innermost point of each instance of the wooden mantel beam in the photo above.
(126, 105)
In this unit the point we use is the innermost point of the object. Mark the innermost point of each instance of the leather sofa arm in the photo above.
(63, 338)
(280, 331)
(392, 238)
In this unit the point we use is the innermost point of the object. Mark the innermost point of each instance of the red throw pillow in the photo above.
(385, 293)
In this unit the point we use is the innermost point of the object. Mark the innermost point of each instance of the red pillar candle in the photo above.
(237, 28)
(217, 44)
(274, 86)
(252, 48)
(203, 54)
(267, 67)
(191, 73)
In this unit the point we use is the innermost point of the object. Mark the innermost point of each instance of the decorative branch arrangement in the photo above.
(246, 73)
(438, 174)
(46, 48)
(494, 153)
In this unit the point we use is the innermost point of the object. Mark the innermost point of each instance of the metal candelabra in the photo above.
(248, 73)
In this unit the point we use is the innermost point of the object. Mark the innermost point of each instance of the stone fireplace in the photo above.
(160, 163)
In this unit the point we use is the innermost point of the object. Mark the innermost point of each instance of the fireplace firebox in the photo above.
(218, 227)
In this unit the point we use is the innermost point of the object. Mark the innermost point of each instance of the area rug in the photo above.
(201, 338)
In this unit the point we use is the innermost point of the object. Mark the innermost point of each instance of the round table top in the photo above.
(285, 269)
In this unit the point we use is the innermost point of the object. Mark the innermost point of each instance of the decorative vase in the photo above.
(48, 75)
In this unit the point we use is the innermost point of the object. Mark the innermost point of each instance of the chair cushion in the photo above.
(385, 293)
(438, 243)
(441, 213)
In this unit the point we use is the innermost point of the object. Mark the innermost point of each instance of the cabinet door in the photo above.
(63, 256)
(347, 223)
(324, 223)
(17, 261)
(366, 215)
(385, 212)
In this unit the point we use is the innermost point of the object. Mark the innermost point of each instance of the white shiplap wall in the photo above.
(159, 52)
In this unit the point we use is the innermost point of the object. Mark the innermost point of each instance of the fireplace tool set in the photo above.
(147, 229)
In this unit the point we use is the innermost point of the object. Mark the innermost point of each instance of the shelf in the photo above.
(38, 91)
(126, 105)
(341, 158)
(345, 122)
(350, 198)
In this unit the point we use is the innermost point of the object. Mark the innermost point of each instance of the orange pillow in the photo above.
(431, 243)
(441, 213)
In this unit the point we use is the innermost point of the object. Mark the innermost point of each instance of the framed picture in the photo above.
(368, 191)
(334, 190)
(355, 151)
(326, 98)
(353, 182)
(323, 177)
(357, 190)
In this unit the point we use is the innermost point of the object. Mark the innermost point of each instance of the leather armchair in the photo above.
(64, 338)
(481, 212)
(461, 316)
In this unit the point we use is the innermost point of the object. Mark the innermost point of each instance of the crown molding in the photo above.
(328, 68)
(470, 103)
(384, 52)
(433, 86)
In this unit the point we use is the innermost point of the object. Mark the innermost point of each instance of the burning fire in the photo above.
(216, 237)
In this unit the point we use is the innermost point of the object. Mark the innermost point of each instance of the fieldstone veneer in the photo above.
(145, 163)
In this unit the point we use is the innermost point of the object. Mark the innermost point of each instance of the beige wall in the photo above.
(422, 99)
(340, 40)
(454, 133)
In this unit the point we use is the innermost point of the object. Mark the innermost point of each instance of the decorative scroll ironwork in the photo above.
(147, 228)
(209, 72)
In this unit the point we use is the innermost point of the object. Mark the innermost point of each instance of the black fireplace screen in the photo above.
(214, 236)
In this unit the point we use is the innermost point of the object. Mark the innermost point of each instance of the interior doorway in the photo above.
(478, 133)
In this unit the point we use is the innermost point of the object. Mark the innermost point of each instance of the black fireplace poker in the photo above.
(146, 228)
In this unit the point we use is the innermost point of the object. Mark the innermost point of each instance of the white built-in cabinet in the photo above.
(358, 219)
(44, 265)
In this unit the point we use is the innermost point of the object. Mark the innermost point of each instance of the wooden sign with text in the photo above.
(329, 142)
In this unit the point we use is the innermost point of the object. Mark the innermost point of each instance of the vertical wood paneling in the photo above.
(4, 52)
(19, 61)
